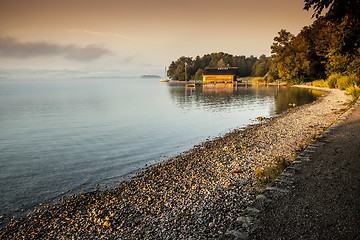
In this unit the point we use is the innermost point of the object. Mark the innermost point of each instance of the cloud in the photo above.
(11, 47)
(87, 53)
(102, 34)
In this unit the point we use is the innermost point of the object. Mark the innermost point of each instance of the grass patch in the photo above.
(352, 102)
(270, 173)
(318, 83)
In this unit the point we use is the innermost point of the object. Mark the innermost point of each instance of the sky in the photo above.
(135, 37)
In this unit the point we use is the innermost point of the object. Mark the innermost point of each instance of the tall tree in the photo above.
(199, 74)
(261, 66)
(340, 11)
(282, 54)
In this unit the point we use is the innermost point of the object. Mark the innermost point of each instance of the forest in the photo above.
(327, 52)
(247, 66)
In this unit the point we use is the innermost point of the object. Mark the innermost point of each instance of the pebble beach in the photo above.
(198, 194)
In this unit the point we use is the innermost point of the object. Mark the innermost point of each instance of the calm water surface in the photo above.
(57, 135)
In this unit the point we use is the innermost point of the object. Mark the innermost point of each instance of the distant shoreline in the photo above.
(150, 76)
(199, 193)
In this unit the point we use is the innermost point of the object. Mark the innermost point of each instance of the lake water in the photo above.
(59, 135)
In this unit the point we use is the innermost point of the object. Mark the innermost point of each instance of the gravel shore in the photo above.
(198, 194)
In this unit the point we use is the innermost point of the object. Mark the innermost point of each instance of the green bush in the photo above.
(318, 83)
(353, 67)
(269, 78)
(353, 90)
(332, 80)
(355, 79)
(336, 80)
(343, 82)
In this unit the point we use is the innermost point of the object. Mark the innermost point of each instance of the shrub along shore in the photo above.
(198, 194)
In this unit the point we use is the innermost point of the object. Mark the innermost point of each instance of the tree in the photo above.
(340, 11)
(261, 66)
(282, 54)
(177, 69)
(296, 57)
(272, 74)
(221, 63)
(199, 74)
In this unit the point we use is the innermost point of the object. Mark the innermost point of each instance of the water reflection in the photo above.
(218, 97)
(289, 95)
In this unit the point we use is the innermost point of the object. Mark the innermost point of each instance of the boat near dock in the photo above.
(165, 80)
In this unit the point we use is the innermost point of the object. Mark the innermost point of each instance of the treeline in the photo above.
(247, 66)
(329, 49)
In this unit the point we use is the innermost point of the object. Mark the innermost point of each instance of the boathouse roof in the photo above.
(221, 71)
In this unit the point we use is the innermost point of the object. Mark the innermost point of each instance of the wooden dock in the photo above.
(193, 83)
